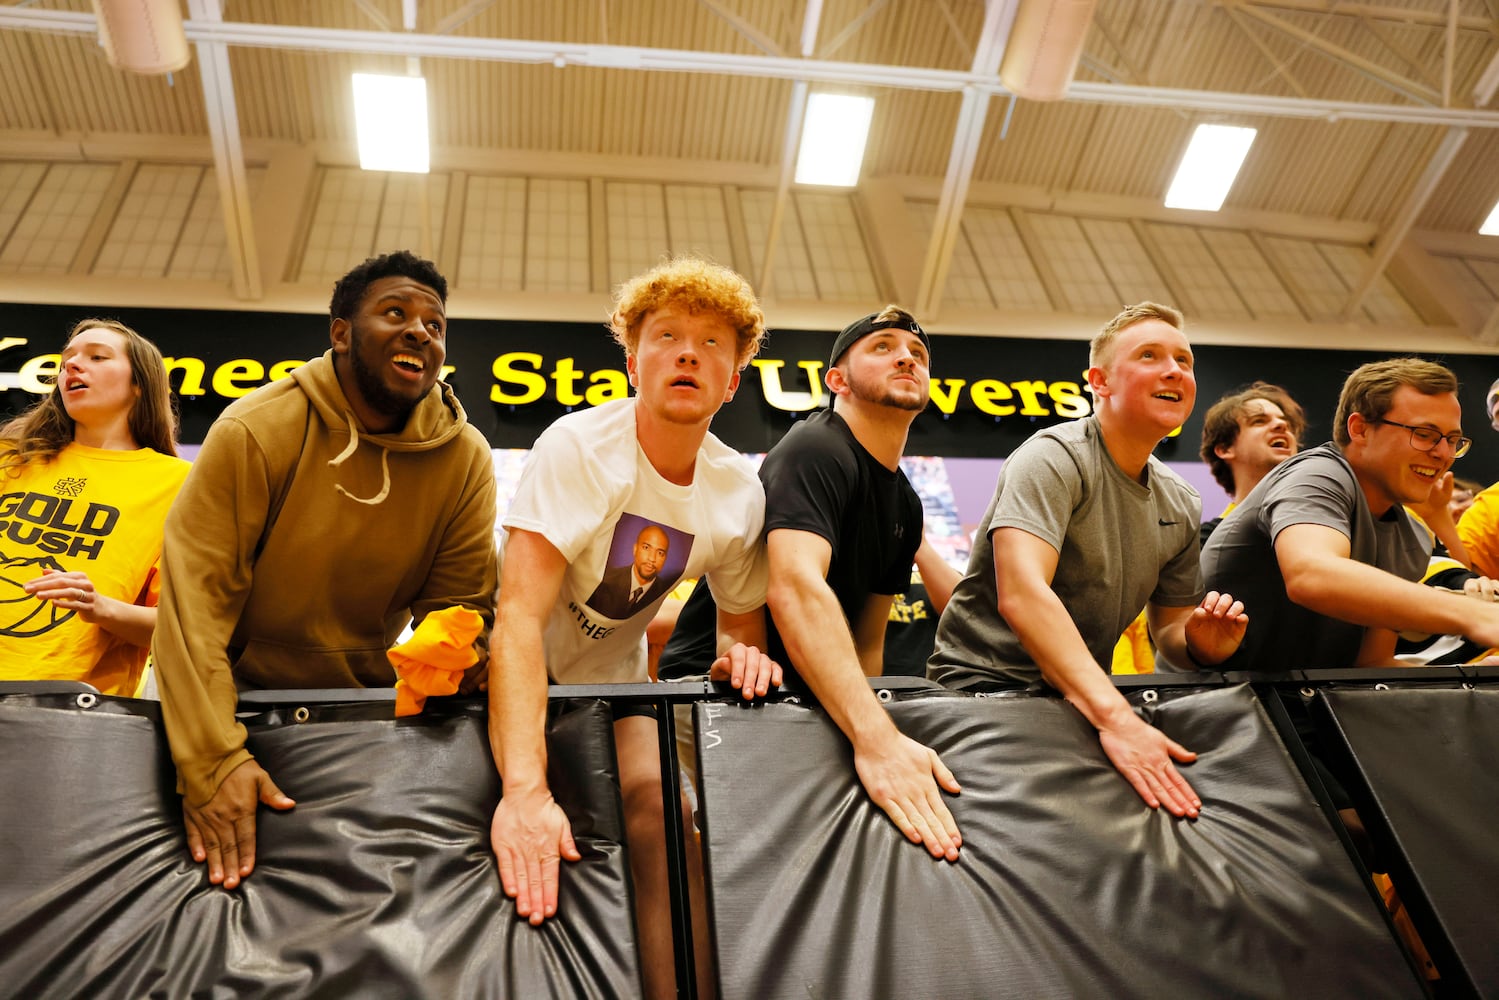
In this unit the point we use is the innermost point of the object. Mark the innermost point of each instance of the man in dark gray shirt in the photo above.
(1322, 548)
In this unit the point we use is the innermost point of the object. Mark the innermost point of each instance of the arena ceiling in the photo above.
(1377, 121)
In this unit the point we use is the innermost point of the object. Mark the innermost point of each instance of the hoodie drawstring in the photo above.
(378, 498)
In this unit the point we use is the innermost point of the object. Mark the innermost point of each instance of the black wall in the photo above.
(750, 422)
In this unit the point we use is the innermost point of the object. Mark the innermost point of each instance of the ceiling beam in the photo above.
(1490, 332)
(999, 17)
(103, 219)
(1377, 12)
(307, 39)
(228, 156)
(1449, 53)
(376, 16)
(747, 31)
(1276, 107)
(796, 114)
(1137, 75)
(1400, 84)
(1382, 35)
(1103, 69)
(851, 29)
(1281, 69)
(955, 31)
(1405, 217)
(462, 16)
(1488, 82)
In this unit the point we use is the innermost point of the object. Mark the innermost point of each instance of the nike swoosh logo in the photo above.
(1167, 524)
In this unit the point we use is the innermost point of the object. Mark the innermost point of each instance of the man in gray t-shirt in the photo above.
(1121, 543)
(1323, 550)
(1086, 528)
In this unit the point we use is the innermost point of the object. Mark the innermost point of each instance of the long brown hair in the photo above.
(45, 429)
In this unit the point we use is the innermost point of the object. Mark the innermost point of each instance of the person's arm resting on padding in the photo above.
(216, 522)
(530, 833)
(900, 775)
(1024, 566)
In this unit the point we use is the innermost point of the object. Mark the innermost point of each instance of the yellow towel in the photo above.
(433, 660)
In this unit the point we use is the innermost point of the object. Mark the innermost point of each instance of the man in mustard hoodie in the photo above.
(324, 512)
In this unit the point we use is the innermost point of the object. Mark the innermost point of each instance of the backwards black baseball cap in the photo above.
(861, 328)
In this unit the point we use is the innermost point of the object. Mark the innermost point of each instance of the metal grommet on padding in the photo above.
(792, 699)
(1381, 686)
(1308, 693)
(301, 714)
(1468, 686)
(1148, 696)
(884, 694)
(87, 699)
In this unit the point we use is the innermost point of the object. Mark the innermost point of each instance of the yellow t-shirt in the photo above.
(93, 511)
(1133, 653)
(1479, 530)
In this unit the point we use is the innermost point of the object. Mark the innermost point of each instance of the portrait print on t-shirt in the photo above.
(646, 559)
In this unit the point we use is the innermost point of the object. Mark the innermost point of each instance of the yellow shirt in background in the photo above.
(93, 511)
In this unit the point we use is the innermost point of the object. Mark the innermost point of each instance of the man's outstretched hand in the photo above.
(903, 777)
(1145, 755)
(531, 837)
(221, 832)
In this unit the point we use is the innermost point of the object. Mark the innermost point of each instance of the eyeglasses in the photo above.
(1425, 438)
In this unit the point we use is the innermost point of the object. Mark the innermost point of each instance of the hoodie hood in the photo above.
(437, 419)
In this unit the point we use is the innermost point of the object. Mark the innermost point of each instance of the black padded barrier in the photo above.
(1428, 762)
(1068, 886)
(380, 883)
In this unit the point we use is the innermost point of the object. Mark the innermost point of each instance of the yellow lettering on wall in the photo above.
(610, 383)
(531, 383)
(564, 376)
(192, 375)
(1030, 393)
(281, 369)
(1069, 399)
(227, 377)
(36, 370)
(945, 393)
(793, 402)
(986, 391)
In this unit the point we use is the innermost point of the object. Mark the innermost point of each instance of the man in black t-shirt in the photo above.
(842, 527)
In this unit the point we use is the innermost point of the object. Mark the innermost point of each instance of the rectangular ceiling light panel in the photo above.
(833, 135)
(1209, 166)
(390, 118)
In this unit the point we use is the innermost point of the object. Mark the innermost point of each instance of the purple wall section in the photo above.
(1213, 497)
(973, 486)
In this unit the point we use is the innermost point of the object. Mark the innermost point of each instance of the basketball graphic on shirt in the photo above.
(23, 615)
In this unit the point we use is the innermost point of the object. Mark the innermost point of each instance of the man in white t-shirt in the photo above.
(599, 484)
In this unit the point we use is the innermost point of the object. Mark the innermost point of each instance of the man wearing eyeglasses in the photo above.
(1323, 549)
(1479, 526)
